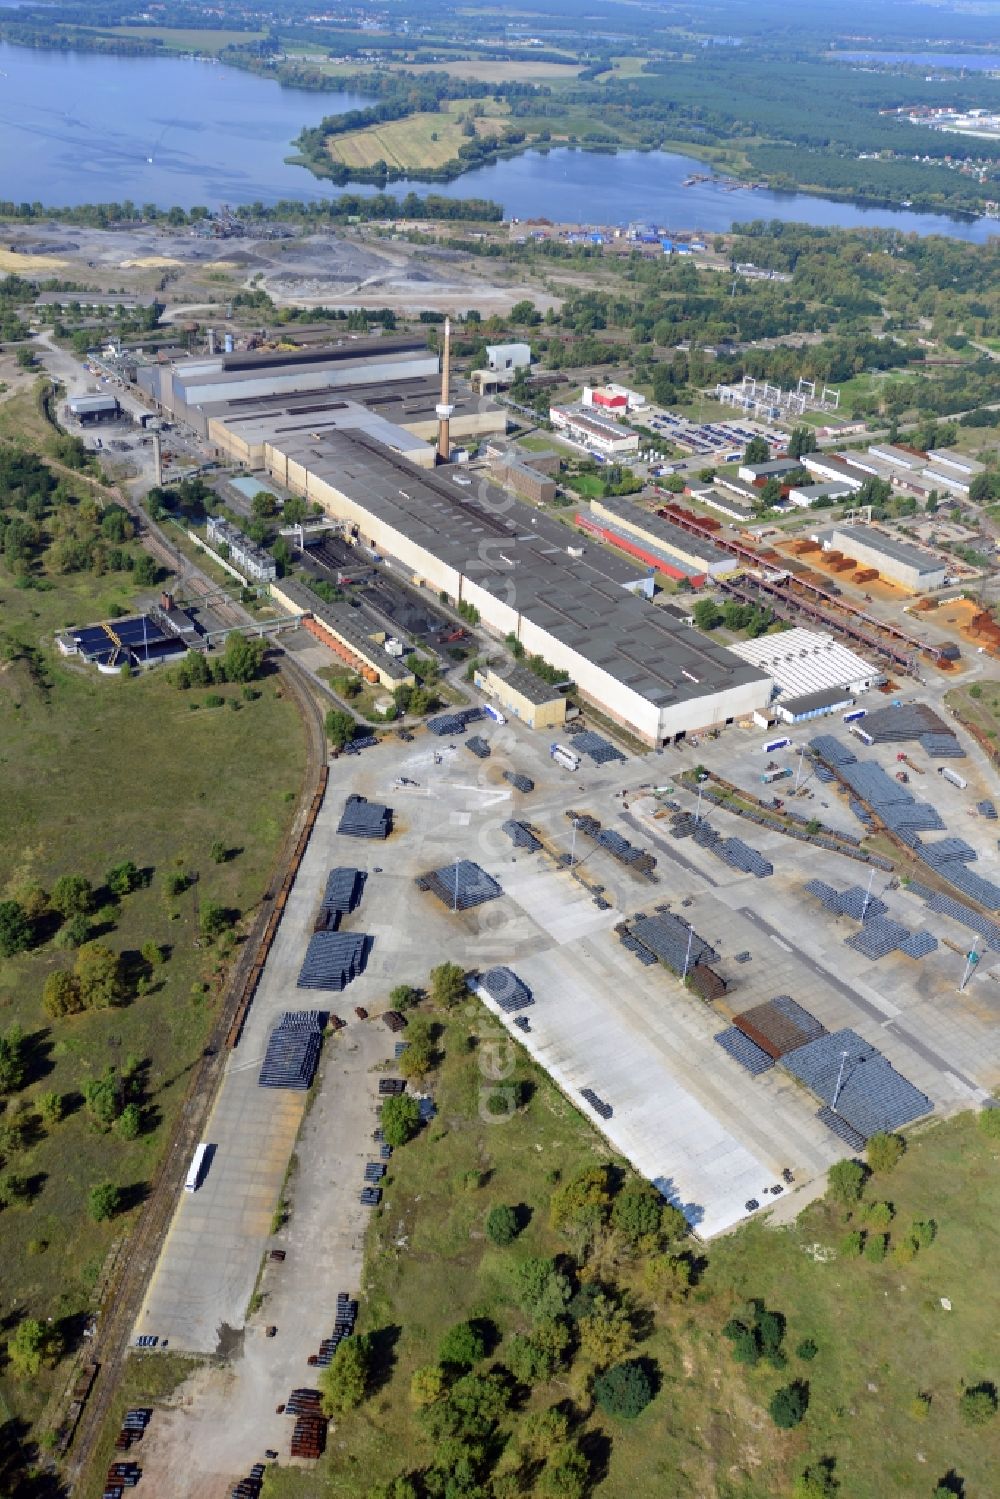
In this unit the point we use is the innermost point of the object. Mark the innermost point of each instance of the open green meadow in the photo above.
(98, 771)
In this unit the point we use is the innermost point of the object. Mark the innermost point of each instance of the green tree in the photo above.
(876, 1247)
(879, 1214)
(52, 1107)
(403, 997)
(851, 1245)
(61, 995)
(400, 1119)
(344, 1383)
(16, 932)
(807, 1350)
(541, 1433)
(989, 1122)
(636, 1211)
(539, 1288)
(103, 1097)
(566, 1475)
(668, 1276)
(605, 1333)
(978, 1405)
(462, 1346)
(582, 1204)
(502, 1226)
(153, 954)
(243, 658)
(845, 1182)
(13, 1060)
(340, 727)
(104, 1201)
(15, 1189)
(624, 1391)
(538, 1357)
(72, 895)
(218, 852)
(123, 878)
(769, 494)
(707, 614)
(129, 1122)
(447, 985)
(74, 932)
(98, 973)
(815, 1482)
(884, 1152)
(788, 1405)
(213, 919)
(427, 1385)
(32, 1345)
(756, 451)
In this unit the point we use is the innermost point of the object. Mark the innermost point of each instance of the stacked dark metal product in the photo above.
(343, 887)
(251, 1486)
(602, 1109)
(478, 745)
(364, 819)
(880, 935)
(293, 1051)
(732, 851)
(596, 748)
(518, 781)
(309, 1434)
(333, 959)
(856, 1083)
(521, 836)
(461, 886)
(454, 723)
(947, 905)
(506, 990)
(913, 721)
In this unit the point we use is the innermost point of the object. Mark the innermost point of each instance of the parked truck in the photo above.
(952, 776)
(775, 775)
(567, 758)
(493, 713)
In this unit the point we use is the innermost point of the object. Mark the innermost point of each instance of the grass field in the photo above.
(177, 39)
(98, 770)
(423, 140)
(883, 1337)
(487, 71)
(983, 710)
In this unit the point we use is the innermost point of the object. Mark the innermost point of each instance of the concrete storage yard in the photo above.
(684, 1112)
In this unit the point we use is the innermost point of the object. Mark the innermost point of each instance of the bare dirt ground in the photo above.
(358, 268)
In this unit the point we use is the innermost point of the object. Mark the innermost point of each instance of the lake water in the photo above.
(972, 62)
(84, 128)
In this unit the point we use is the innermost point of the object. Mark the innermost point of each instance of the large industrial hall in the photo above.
(347, 427)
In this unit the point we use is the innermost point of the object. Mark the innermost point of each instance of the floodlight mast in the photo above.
(840, 1078)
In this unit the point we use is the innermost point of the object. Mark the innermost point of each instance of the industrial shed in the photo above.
(802, 663)
(572, 602)
(899, 561)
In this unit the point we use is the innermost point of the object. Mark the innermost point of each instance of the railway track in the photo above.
(124, 1294)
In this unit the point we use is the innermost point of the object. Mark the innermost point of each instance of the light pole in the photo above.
(687, 955)
(697, 815)
(455, 902)
(798, 773)
(840, 1078)
(970, 963)
(868, 895)
(572, 850)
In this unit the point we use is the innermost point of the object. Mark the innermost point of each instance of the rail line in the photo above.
(124, 1294)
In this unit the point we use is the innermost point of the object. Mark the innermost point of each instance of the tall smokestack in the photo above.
(444, 408)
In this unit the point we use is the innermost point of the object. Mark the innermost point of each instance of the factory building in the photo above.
(813, 674)
(591, 432)
(524, 696)
(89, 410)
(183, 388)
(952, 471)
(905, 459)
(899, 561)
(827, 467)
(618, 400)
(728, 504)
(506, 359)
(528, 480)
(658, 542)
(577, 604)
(805, 495)
(245, 555)
(777, 468)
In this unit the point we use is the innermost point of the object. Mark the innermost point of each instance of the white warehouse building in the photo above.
(575, 603)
